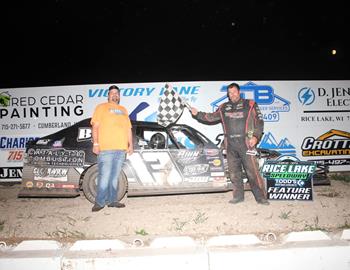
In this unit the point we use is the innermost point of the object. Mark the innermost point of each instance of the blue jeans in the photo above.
(109, 166)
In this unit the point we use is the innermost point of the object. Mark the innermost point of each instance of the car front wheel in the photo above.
(90, 184)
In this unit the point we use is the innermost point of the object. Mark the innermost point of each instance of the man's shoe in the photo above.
(263, 202)
(96, 208)
(236, 200)
(116, 204)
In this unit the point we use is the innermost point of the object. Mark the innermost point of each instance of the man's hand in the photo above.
(194, 111)
(130, 150)
(96, 149)
(252, 141)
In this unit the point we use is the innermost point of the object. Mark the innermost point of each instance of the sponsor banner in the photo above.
(289, 180)
(324, 115)
(12, 151)
(292, 111)
(334, 143)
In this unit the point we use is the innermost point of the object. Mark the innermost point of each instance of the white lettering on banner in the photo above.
(282, 196)
(312, 143)
(183, 90)
(289, 190)
(10, 173)
(290, 168)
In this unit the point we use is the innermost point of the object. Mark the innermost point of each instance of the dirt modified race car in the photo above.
(173, 160)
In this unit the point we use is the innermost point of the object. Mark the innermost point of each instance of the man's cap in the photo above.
(113, 87)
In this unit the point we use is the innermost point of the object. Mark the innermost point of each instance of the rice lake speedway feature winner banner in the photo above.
(309, 120)
(289, 180)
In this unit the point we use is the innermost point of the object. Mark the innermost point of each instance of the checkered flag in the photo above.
(170, 107)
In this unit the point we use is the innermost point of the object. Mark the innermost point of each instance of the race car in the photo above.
(172, 160)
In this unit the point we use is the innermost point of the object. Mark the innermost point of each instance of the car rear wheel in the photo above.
(90, 184)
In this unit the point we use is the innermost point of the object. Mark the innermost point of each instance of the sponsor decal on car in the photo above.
(39, 184)
(195, 169)
(50, 174)
(215, 162)
(29, 184)
(185, 157)
(50, 185)
(197, 179)
(211, 152)
(188, 154)
(56, 157)
(84, 134)
(217, 174)
(68, 186)
(43, 141)
(219, 179)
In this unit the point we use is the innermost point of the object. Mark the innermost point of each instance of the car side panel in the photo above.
(174, 171)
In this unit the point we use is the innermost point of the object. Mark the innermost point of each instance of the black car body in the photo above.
(173, 160)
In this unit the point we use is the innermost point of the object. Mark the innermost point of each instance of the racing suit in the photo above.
(240, 120)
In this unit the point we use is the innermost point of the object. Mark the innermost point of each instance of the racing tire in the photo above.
(89, 184)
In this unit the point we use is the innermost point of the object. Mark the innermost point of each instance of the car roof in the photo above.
(155, 124)
(147, 124)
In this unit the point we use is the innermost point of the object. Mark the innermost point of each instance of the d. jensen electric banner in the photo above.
(306, 119)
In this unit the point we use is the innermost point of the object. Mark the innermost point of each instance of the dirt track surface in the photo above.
(197, 215)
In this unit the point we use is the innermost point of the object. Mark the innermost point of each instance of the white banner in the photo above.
(306, 119)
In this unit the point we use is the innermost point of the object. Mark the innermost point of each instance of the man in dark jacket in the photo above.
(243, 128)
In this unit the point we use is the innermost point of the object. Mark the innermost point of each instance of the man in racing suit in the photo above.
(243, 128)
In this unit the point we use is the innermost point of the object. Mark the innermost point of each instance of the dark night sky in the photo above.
(86, 42)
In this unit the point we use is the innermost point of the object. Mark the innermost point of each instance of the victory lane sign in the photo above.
(289, 180)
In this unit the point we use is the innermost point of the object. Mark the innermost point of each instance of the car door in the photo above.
(173, 160)
(199, 161)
